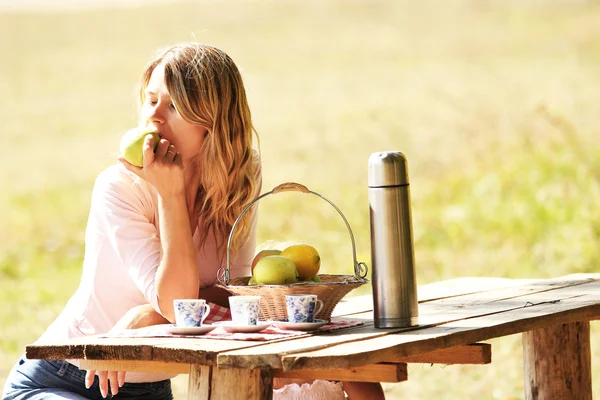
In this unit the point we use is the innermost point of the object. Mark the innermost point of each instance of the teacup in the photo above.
(301, 307)
(190, 312)
(244, 309)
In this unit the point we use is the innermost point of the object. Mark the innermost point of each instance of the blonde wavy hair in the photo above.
(207, 89)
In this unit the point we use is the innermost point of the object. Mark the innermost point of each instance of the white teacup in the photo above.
(190, 312)
(302, 307)
(244, 309)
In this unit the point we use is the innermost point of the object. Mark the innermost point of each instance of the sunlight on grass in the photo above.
(495, 104)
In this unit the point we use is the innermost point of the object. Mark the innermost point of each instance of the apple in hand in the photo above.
(132, 144)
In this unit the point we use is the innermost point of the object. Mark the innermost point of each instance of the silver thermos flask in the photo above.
(395, 303)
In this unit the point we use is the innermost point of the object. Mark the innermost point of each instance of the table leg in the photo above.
(212, 383)
(557, 362)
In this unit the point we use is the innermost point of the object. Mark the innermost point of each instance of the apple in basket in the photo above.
(304, 257)
(307, 261)
(264, 253)
(274, 270)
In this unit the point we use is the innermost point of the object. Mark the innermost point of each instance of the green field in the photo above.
(495, 104)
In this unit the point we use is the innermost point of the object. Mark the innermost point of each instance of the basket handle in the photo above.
(223, 275)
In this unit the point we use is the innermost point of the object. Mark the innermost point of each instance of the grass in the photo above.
(493, 102)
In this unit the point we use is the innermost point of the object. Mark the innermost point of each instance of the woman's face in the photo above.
(158, 112)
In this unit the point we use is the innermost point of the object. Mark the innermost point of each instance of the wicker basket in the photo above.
(330, 290)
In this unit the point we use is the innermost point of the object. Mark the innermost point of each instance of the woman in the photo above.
(159, 232)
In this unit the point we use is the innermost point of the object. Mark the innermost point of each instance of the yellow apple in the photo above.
(132, 144)
(275, 270)
(306, 258)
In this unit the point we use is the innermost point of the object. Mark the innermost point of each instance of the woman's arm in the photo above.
(177, 275)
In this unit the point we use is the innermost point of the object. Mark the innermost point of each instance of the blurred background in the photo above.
(494, 103)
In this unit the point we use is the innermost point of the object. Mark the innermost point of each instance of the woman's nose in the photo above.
(157, 114)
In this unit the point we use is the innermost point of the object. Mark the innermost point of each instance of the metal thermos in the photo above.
(395, 303)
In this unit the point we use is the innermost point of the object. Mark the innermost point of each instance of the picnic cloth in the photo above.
(218, 313)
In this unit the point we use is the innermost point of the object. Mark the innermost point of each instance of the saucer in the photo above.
(300, 326)
(232, 327)
(190, 330)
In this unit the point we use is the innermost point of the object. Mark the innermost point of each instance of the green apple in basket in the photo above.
(132, 144)
(264, 253)
(274, 270)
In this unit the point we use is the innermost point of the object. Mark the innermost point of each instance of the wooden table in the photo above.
(552, 314)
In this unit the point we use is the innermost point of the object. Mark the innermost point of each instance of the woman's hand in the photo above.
(137, 317)
(163, 168)
(116, 379)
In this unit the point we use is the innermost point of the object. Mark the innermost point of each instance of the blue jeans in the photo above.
(49, 379)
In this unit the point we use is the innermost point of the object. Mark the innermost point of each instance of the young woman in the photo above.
(159, 232)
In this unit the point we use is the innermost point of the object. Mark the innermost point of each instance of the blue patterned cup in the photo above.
(301, 307)
(244, 309)
(190, 312)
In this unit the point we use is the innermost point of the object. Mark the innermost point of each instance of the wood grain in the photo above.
(550, 377)
(255, 384)
(200, 351)
(384, 372)
(432, 291)
(477, 353)
(440, 312)
(209, 383)
(444, 322)
(392, 347)
(199, 383)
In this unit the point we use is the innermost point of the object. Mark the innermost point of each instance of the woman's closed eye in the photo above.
(154, 102)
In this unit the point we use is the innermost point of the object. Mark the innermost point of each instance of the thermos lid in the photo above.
(387, 168)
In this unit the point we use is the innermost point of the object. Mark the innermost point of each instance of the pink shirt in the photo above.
(122, 254)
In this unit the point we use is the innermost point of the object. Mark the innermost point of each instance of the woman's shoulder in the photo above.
(117, 180)
(115, 174)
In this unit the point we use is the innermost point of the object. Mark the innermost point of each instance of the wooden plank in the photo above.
(431, 314)
(476, 353)
(209, 383)
(135, 366)
(189, 350)
(467, 285)
(392, 347)
(557, 362)
(432, 291)
(204, 351)
(199, 382)
(384, 372)
(226, 383)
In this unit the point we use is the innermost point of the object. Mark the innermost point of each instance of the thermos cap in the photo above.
(387, 168)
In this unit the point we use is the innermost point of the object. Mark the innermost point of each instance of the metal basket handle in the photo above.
(223, 275)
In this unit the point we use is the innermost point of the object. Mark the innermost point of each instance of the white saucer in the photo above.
(299, 326)
(232, 327)
(190, 330)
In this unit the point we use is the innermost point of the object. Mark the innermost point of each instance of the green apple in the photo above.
(275, 270)
(132, 144)
(264, 253)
